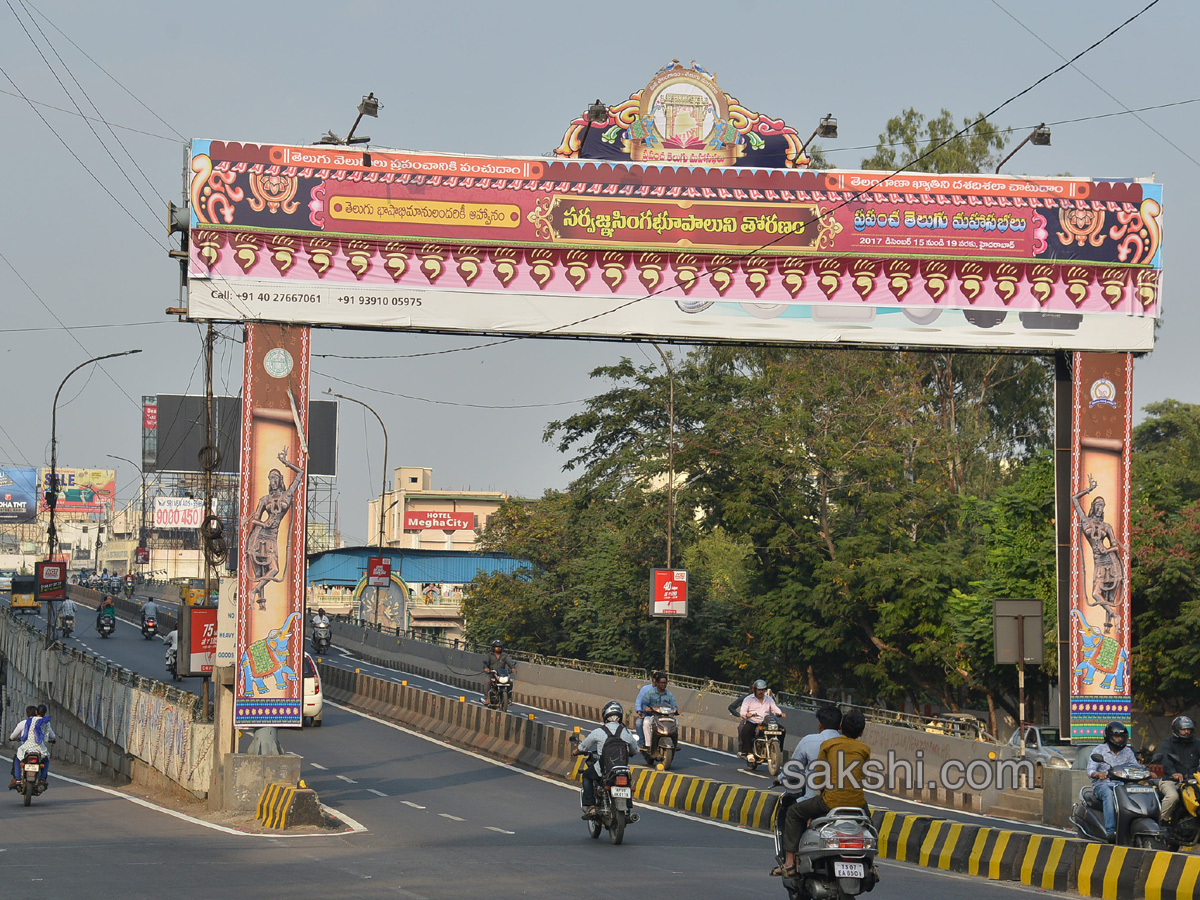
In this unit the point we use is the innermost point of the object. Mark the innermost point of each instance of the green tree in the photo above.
(912, 143)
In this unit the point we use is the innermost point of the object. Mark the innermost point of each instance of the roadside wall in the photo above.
(112, 720)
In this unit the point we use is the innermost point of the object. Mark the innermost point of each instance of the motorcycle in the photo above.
(1137, 809)
(321, 638)
(149, 627)
(170, 659)
(66, 625)
(614, 799)
(664, 737)
(499, 692)
(768, 745)
(129, 588)
(106, 625)
(30, 783)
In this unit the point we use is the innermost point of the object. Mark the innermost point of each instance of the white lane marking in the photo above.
(345, 779)
(499, 830)
(413, 805)
(319, 766)
(353, 826)
(376, 793)
(452, 818)
(707, 763)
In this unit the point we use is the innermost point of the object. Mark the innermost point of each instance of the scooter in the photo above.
(499, 692)
(768, 745)
(321, 637)
(614, 799)
(836, 855)
(664, 737)
(149, 627)
(106, 626)
(1183, 830)
(1137, 809)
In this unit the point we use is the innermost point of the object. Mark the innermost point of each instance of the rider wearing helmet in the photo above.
(497, 662)
(1180, 760)
(613, 727)
(755, 706)
(1115, 752)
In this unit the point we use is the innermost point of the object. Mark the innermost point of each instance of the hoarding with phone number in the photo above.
(178, 512)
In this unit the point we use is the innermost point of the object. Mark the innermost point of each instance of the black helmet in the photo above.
(612, 712)
(498, 643)
(759, 685)
(1116, 736)
(1183, 723)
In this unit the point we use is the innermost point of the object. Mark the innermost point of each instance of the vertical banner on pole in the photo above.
(271, 527)
(1102, 401)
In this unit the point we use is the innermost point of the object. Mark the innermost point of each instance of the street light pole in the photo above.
(52, 499)
(382, 487)
(142, 527)
(670, 481)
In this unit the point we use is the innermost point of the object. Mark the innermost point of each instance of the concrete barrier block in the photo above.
(283, 805)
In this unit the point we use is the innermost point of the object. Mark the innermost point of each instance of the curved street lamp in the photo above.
(52, 492)
(383, 486)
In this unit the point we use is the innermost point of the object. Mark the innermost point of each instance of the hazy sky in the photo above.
(84, 269)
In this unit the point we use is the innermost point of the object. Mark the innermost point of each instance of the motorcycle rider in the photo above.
(1183, 746)
(657, 696)
(613, 715)
(65, 608)
(637, 708)
(1116, 752)
(755, 706)
(843, 757)
(34, 732)
(320, 618)
(171, 639)
(149, 611)
(107, 608)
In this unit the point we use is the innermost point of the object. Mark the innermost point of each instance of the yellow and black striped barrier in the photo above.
(286, 805)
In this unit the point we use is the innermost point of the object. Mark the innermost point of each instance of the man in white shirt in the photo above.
(754, 707)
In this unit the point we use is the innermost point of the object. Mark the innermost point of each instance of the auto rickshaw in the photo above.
(24, 593)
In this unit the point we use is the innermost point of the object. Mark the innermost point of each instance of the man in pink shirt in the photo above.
(754, 707)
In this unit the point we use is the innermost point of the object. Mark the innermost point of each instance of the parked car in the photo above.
(6, 577)
(313, 703)
(1039, 750)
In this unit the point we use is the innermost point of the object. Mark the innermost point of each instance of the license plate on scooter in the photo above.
(31, 768)
(622, 793)
(849, 870)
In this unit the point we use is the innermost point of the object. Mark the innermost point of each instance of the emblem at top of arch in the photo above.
(273, 192)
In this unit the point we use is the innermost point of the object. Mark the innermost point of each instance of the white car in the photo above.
(6, 577)
(313, 703)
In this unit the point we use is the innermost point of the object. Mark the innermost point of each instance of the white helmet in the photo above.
(612, 712)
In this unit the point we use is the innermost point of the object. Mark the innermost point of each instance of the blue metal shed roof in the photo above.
(346, 565)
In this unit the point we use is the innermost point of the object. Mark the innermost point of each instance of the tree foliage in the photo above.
(912, 143)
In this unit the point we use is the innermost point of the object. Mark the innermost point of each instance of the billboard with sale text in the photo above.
(678, 215)
(79, 490)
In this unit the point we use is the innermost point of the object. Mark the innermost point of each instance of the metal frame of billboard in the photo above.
(612, 250)
(225, 407)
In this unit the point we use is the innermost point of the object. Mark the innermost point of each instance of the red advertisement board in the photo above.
(51, 580)
(150, 416)
(419, 520)
(143, 555)
(380, 572)
(202, 639)
(668, 593)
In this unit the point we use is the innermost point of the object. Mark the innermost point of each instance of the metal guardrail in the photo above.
(962, 726)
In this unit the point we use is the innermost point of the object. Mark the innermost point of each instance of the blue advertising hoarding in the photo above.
(18, 494)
